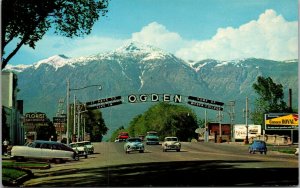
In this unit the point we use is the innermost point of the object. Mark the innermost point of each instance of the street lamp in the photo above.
(68, 99)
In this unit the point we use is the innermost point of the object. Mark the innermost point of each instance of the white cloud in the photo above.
(269, 37)
(157, 35)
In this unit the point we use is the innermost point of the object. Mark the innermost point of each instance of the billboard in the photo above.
(240, 131)
(281, 121)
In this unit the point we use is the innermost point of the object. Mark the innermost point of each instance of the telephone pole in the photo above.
(246, 121)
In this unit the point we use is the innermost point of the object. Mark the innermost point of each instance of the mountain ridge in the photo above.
(138, 70)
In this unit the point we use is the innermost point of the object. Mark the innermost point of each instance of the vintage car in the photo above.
(44, 150)
(152, 138)
(80, 148)
(171, 143)
(258, 146)
(89, 146)
(134, 144)
(123, 136)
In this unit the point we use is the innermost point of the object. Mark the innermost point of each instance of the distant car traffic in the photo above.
(48, 150)
(152, 138)
(123, 136)
(171, 143)
(80, 148)
(134, 144)
(89, 146)
(258, 146)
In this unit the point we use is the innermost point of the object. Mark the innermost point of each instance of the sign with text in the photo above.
(281, 121)
(104, 100)
(37, 117)
(104, 105)
(206, 100)
(205, 106)
(240, 131)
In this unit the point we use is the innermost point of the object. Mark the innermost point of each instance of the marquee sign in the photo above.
(140, 98)
(281, 121)
(37, 117)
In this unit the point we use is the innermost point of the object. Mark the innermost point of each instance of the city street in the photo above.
(197, 164)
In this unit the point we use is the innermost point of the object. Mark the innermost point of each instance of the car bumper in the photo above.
(172, 147)
(152, 142)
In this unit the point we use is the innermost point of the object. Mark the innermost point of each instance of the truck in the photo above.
(152, 138)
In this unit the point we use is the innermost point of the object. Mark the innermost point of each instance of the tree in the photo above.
(168, 120)
(95, 125)
(270, 99)
(27, 21)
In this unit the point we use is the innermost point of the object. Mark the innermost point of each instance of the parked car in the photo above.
(258, 146)
(89, 146)
(46, 150)
(134, 144)
(80, 148)
(152, 138)
(171, 143)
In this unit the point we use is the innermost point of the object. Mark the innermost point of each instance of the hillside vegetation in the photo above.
(167, 119)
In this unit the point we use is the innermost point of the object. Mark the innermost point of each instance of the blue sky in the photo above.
(191, 29)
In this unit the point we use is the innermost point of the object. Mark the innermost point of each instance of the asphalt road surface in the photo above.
(197, 164)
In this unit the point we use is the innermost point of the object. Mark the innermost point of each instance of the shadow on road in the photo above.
(179, 173)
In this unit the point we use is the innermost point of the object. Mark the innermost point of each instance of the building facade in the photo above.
(13, 109)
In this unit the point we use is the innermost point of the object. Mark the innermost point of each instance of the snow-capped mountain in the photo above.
(141, 69)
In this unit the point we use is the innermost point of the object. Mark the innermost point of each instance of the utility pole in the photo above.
(68, 110)
(231, 113)
(246, 120)
(220, 126)
(74, 124)
(206, 128)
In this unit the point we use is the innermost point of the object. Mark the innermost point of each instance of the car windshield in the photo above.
(134, 140)
(80, 144)
(171, 139)
(152, 133)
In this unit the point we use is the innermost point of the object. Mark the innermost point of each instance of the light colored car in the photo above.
(48, 150)
(89, 146)
(152, 138)
(134, 144)
(80, 148)
(171, 143)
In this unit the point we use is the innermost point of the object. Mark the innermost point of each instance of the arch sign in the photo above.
(139, 98)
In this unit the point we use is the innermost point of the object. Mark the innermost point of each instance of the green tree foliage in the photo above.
(270, 99)
(116, 133)
(95, 125)
(168, 120)
(27, 21)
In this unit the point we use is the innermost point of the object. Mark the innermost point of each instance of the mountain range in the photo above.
(136, 69)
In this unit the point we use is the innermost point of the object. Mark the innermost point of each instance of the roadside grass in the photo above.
(13, 172)
(23, 164)
(285, 150)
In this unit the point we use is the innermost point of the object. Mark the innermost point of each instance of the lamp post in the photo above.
(68, 102)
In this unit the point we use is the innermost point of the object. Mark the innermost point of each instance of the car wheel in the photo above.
(141, 151)
(85, 156)
(20, 159)
(261, 152)
(178, 150)
(76, 157)
(250, 151)
(265, 152)
(57, 161)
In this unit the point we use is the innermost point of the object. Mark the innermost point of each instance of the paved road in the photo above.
(198, 164)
